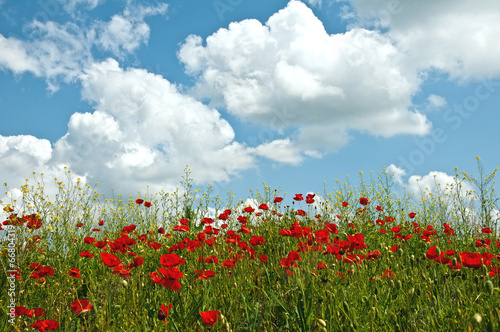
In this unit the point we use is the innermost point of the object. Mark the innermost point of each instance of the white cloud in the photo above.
(71, 5)
(396, 172)
(325, 83)
(63, 51)
(143, 129)
(20, 152)
(458, 37)
(436, 183)
(123, 34)
(281, 150)
(315, 3)
(142, 132)
(13, 56)
(436, 102)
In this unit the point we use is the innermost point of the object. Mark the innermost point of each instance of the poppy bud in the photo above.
(321, 322)
(438, 251)
(489, 286)
(124, 283)
(478, 318)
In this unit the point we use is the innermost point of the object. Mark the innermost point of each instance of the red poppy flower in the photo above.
(210, 317)
(228, 263)
(19, 311)
(171, 260)
(147, 204)
(257, 241)
(472, 260)
(109, 259)
(486, 230)
(300, 213)
(364, 201)
(249, 209)
(34, 222)
(207, 221)
(298, 197)
(396, 229)
(263, 258)
(81, 306)
(263, 206)
(171, 278)
(322, 236)
(139, 201)
(163, 313)
(40, 271)
(35, 312)
(75, 273)
(379, 208)
(80, 224)
(204, 274)
(345, 204)
(412, 214)
(278, 199)
(86, 253)
(128, 229)
(394, 248)
(321, 265)
(45, 325)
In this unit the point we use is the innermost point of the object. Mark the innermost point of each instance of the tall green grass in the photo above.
(382, 282)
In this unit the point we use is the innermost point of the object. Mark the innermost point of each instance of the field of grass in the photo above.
(361, 258)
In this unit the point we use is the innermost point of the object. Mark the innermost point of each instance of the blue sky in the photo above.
(293, 93)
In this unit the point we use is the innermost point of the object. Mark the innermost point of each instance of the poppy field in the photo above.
(362, 258)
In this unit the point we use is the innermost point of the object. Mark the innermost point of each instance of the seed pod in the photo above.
(438, 251)
(124, 283)
(321, 322)
(489, 286)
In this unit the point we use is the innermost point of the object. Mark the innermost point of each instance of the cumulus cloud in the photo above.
(145, 130)
(142, 132)
(396, 172)
(331, 84)
(458, 37)
(437, 183)
(123, 34)
(14, 56)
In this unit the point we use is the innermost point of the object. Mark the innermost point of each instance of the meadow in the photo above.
(361, 258)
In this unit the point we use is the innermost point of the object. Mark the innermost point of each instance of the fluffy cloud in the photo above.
(14, 56)
(123, 34)
(324, 83)
(142, 132)
(145, 130)
(436, 183)
(458, 37)
(396, 172)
